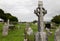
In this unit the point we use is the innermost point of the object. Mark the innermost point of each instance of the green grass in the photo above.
(18, 34)
(1, 25)
(51, 37)
(15, 35)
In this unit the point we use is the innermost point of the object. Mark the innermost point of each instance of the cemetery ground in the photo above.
(18, 34)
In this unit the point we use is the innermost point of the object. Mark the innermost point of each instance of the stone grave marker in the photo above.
(5, 29)
(28, 31)
(57, 35)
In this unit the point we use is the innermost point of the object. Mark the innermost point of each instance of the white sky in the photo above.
(24, 9)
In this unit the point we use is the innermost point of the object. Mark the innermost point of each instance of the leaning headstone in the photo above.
(5, 29)
(57, 35)
(29, 31)
(25, 32)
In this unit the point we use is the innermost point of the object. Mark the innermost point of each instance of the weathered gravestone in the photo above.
(28, 31)
(57, 35)
(5, 29)
(48, 32)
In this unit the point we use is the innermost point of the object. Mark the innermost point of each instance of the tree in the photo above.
(35, 21)
(56, 19)
(6, 16)
(1, 13)
(11, 18)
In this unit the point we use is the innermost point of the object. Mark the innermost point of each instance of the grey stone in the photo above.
(41, 36)
(37, 36)
(25, 39)
(57, 35)
(27, 32)
(29, 29)
(5, 30)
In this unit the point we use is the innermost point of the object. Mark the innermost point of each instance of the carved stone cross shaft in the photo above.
(40, 11)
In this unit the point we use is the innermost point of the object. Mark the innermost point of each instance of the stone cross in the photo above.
(39, 12)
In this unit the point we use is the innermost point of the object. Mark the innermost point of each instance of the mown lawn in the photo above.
(18, 34)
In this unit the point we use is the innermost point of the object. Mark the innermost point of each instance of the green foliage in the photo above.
(18, 34)
(2, 15)
(6, 16)
(1, 12)
(56, 19)
(13, 19)
(35, 21)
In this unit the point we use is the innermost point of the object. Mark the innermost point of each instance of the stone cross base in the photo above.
(41, 36)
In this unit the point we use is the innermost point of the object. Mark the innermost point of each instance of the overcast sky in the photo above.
(24, 9)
